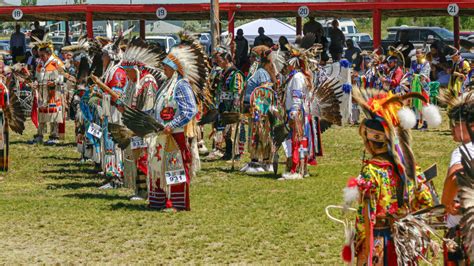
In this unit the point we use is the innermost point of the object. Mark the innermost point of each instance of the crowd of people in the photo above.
(140, 116)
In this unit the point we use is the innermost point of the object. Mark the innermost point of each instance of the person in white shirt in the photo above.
(461, 115)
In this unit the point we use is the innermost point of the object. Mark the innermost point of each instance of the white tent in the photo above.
(274, 28)
(161, 28)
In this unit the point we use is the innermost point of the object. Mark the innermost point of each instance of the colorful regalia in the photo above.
(459, 72)
(115, 78)
(393, 76)
(390, 187)
(48, 106)
(259, 98)
(230, 87)
(169, 155)
(139, 94)
(458, 191)
(11, 116)
(420, 82)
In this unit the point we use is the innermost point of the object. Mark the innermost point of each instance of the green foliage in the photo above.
(53, 213)
(192, 26)
(28, 2)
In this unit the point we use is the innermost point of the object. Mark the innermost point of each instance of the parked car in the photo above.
(363, 40)
(205, 40)
(419, 35)
(165, 42)
(5, 46)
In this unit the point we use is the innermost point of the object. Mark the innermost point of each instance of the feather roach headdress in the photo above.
(41, 44)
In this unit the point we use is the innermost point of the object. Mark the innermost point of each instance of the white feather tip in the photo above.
(432, 115)
(407, 118)
(351, 194)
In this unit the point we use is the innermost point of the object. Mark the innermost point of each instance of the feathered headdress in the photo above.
(396, 119)
(139, 56)
(41, 44)
(226, 46)
(82, 46)
(112, 47)
(191, 62)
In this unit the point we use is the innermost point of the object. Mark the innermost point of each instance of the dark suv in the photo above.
(419, 35)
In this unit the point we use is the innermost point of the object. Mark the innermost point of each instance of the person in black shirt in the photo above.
(352, 55)
(241, 51)
(407, 47)
(38, 32)
(262, 39)
(338, 39)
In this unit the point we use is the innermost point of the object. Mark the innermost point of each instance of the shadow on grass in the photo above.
(73, 185)
(20, 142)
(133, 207)
(74, 164)
(73, 177)
(59, 157)
(96, 196)
(71, 171)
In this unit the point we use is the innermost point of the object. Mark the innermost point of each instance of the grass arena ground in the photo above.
(52, 212)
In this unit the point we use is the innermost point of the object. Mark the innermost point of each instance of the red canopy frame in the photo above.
(372, 8)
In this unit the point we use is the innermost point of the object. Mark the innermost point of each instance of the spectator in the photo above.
(437, 61)
(18, 44)
(312, 26)
(407, 47)
(352, 55)
(241, 51)
(262, 39)
(37, 32)
(282, 42)
(337, 41)
(32, 59)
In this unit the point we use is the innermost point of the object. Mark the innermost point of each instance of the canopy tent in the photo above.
(274, 28)
(162, 28)
(66, 10)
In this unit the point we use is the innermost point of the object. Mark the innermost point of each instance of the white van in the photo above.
(165, 42)
(347, 26)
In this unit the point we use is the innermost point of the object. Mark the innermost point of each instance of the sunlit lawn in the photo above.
(52, 212)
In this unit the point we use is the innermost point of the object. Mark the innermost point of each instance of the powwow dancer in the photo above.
(139, 63)
(49, 106)
(169, 157)
(458, 185)
(393, 76)
(298, 85)
(11, 116)
(230, 88)
(312, 106)
(389, 189)
(459, 72)
(115, 78)
(420, 79)
(259, 98)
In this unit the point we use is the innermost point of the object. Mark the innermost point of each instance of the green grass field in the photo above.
(52, 212)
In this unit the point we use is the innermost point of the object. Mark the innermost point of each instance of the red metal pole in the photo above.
(299, 26)
(142, 29)
(456, 31)
(231, 21)
(377, 27)
(89, 24)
